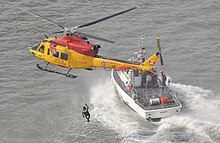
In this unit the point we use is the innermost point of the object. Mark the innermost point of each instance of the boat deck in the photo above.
(144, 94)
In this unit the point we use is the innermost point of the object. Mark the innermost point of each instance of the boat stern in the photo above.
(162, 113)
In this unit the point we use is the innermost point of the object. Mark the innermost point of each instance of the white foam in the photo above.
(194, 129)
(109, 110)
(198, 103)
(199, 117)
(198, 122)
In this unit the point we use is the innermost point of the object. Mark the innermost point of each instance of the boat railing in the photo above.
(134, 90)
(173, 95)
(134, 94)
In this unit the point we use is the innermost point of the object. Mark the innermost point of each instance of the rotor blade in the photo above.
(58, 32)
(94, 37)
(160, 51)
(158, 43)
(105, 18)
(46, 36)
(46, 19)
(161, 60)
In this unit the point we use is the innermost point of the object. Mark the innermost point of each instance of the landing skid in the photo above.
(48, 70)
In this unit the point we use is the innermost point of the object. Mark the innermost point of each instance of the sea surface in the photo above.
(41, 107)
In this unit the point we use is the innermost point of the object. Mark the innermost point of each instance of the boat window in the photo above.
(41, 49)
(55, 54)
(48, 51)
(64, 56)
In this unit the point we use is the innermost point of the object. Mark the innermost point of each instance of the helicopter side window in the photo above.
(48, 51)
(55, 54)
(64, 56)
(41, 49)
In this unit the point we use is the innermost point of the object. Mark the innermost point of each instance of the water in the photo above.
(42, 107)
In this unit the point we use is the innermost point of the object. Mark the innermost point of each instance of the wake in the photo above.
(109, 110)
(198, 103)
(197, 122)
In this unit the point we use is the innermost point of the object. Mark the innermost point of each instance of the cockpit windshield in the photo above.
(35, 47)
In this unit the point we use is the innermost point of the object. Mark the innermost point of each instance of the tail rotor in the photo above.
(160, 51)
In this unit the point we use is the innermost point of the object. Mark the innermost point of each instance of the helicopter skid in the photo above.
(52, 71)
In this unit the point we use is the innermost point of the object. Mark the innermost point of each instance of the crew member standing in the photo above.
(153, 79)
(164, 78)
(85, 112)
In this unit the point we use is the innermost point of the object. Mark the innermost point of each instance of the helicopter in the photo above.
(74, 51)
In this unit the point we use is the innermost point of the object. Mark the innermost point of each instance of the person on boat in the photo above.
(143, 79)
(164, 78)
(85, 112)
(153, 78)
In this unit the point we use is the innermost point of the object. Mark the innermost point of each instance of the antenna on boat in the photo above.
(142, 50)
(142, 42)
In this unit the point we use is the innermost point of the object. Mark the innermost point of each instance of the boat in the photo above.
(146, 92)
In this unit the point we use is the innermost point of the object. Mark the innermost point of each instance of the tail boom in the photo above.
(105, 63)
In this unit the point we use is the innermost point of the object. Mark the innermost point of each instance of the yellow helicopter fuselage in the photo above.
(65, 57)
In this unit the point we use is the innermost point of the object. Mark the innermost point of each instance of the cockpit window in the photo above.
(34, 48)
(41, 49)
(45, 41)
(64, 56)
(55, 54)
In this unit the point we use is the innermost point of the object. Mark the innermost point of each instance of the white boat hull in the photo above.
(148, 114)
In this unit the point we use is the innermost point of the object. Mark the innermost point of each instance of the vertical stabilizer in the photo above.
(151, 62)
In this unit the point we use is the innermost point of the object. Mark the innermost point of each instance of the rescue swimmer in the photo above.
(85, 112)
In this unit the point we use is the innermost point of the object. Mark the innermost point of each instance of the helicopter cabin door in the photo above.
(64, 58)
(60, 57)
